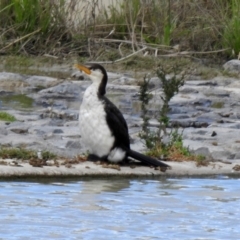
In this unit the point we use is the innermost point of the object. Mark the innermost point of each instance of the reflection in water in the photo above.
(121, 209)
(99, 186)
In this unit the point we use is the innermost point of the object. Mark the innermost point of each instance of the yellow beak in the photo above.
(83, 68)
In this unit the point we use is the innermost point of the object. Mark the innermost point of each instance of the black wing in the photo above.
(117, 125)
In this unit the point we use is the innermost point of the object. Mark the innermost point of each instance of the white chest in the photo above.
(95, 132)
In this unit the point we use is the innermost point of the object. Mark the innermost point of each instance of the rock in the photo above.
(24, 82)
(209, 118)
(225, 113)
(11, 82)
(126, 89)
(63, 90)
(203, 151)
(187, 90)
(223, 155)
(113, 76)
(50, 162)
(232, 66)
(73, 144)
(19, 130)
(155, 82)
(125, 81)
(179, 116)
(13, 77)
(3, 131)
(213, 134)
(57, 131)
(237, 155)
(71, 124)
(198, 83)
(41, 81)
(202, 102)
(59, 114)
(201, 132)
(216, 92)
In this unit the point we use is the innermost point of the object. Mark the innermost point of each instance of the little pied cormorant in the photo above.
(104, 130)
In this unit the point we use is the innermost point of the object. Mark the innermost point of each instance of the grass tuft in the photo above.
(4, 116)
(24, 154)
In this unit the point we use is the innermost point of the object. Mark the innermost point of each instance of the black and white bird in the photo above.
(104, 130)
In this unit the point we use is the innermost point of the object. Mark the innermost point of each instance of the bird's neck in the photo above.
(92, 93)
(98, 88)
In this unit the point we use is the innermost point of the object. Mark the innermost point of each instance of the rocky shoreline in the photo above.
(207, 110)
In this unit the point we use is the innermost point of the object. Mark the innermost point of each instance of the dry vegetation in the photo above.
(153, 27)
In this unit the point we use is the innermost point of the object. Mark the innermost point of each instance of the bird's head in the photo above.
(96, 73)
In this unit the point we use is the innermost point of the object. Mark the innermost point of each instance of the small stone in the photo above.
(213, 134)
(232, 65)
(236, 167)
(50, 162)
(57, 131)
(39, 154)
(204, 151)
(19, 130)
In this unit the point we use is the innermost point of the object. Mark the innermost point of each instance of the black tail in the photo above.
(145, 159)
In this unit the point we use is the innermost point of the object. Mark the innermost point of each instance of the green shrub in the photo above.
(163, 142)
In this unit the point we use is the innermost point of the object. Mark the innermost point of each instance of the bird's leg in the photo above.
(125, 161)
(95, 158)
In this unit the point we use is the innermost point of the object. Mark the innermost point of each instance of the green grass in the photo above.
(231, 34)
(32, 25)
(24, 154)
(4, 116)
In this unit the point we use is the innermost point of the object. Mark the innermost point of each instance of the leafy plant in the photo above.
(145, 97)
(163, 142)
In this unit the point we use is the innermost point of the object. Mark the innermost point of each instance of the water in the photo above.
(121, 209)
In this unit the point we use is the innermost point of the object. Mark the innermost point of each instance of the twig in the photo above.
(130, 42)
(121, 59)
(23, 46)
(112, 31)
(19, 39)
(50, 56)
(89, 47)
(190, 53)
(119, 49)
(153, 46)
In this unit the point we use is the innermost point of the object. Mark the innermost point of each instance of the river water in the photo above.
(187, 208)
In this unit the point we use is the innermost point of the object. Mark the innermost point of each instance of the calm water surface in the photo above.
(121, 209)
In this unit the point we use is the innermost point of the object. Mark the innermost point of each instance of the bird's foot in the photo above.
(95, 158)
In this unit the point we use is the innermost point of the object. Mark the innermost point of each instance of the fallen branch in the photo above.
(155, 47)
(121, 59)
(184, 53)
(19, 39)
(149, 45)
